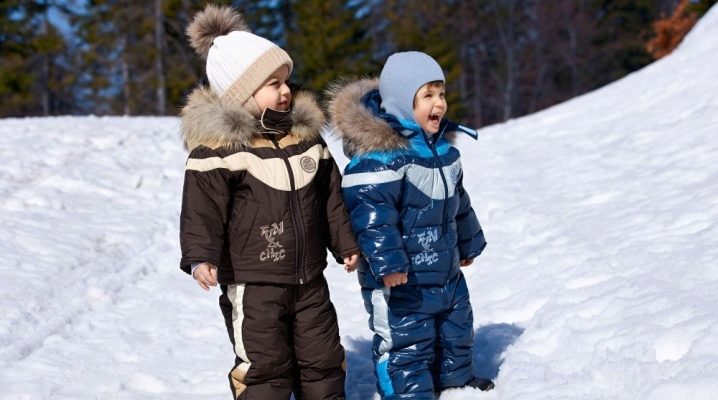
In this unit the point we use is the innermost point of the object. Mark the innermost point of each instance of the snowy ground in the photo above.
(599, 281)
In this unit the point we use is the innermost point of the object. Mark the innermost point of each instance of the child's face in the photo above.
(430, 106)
(274, 92)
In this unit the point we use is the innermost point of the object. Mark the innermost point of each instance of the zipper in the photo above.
(295, 213)
(446, 186)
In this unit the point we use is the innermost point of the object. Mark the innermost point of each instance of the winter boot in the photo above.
(482, 384)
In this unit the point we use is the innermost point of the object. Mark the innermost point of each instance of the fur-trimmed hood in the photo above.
(207, 121)
(360, 129)
(355, 114)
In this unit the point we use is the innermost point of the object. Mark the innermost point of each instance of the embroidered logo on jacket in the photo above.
(455, 170)
(427, 256)
(274, 251)
(308, 164)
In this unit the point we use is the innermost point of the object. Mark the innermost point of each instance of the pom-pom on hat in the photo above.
(402, 76)
(238, 61)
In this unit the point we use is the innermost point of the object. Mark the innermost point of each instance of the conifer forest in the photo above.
(502, 58)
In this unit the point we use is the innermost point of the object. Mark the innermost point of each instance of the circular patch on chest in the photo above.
(308, 164)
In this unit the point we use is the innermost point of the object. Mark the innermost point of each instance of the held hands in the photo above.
(466, 262)
(351, 262)
(206, 275)
(395, 279)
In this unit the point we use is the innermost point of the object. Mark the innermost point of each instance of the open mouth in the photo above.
(434, 118)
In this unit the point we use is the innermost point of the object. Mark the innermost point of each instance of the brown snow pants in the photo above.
(286, 340)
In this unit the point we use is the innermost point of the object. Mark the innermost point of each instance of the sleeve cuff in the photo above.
(403, 268)
(194, 266)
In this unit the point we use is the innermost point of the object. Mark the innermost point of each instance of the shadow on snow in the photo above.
(490, 342)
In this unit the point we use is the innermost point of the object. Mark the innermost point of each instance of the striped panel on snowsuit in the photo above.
(281, 333)
(417, 350)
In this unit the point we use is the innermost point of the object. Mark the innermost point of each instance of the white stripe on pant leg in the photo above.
(379, 299)
(380, 313)
(236, 297)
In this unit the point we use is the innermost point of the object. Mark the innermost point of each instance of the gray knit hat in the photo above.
(238, 61)
(402, 76)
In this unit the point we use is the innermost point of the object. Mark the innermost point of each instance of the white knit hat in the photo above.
(238, 61)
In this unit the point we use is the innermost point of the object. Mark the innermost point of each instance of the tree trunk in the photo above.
(45, 71)
(159, 65)
(507, 38)
(540, 25)
(473, 82)
(126, 89)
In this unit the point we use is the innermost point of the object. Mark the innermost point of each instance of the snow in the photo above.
(599, 281)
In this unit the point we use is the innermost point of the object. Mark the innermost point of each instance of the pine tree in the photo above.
(121, 55)
(327, 41)
(15, 76)
(424, 26)
(36, 73)
(700, 7)
(183, 68)
(563, 31)
(621, 30)
(105, 82)
(270, 19)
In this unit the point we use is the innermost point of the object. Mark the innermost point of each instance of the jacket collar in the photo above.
(207, 121)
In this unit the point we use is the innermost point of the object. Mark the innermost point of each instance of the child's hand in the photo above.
(206, 275)
(466, 262)
(351, 262)
(395, 279)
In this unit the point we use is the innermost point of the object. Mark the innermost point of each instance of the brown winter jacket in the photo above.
(259, 207)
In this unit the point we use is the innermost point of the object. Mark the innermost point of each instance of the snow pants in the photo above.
(286, 340)
(423, 338)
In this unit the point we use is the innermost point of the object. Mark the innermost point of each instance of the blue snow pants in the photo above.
(423, 338)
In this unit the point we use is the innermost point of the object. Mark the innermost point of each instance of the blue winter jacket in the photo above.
(404, 192)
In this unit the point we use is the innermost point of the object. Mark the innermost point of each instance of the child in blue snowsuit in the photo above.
(414, 224)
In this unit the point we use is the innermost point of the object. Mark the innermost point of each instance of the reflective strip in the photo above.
(380, 314)
(204, 164)
(380, 307)
(236, 297)
(429, 182)
(271, 171)
(373, 178)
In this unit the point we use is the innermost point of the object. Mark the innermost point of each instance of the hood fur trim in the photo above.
(361, 131)
(208, 121)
